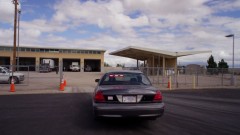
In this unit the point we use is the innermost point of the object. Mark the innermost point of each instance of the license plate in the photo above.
(129, 99)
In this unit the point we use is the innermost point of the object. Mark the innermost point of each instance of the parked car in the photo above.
(74, 66)
(6, 75)
(126, 94)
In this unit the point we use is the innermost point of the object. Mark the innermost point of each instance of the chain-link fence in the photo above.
(30, 77)
(191, 78)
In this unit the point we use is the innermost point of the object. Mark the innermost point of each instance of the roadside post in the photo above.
(158, 74)
(170, 82)
(176, 78)
(194, 81)
(222, 77)
(197, 80)
(60, 72)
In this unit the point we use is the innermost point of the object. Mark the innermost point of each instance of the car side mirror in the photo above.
(97, 80)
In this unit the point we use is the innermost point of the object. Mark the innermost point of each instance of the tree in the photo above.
(223, 66)
(106, 64)
(211, 62)
(120, 65)
(212, 66)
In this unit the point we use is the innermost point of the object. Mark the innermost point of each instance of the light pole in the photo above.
(15, 2)
(233, 81)
(19, 14)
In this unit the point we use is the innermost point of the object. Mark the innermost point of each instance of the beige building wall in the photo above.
(60, 56)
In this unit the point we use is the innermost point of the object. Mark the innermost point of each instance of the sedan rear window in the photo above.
(124, 79)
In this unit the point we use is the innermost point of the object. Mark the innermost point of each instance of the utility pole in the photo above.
(15, 2)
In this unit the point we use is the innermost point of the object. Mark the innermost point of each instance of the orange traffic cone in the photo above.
(65, 83)
(168, 86)
(12, 87)
(62, 86)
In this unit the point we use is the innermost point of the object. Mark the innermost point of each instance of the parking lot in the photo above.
(195, 112)
(78, 82)
(36, 82)
(38, 107)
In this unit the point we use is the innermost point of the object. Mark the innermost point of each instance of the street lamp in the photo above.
(19, 13)
(233, 81)
(15, 2)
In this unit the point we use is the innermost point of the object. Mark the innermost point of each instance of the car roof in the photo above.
(125, 71)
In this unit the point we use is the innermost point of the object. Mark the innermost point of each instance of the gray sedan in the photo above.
(126, 94)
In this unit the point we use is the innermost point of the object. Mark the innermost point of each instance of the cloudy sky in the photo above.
(171, 25)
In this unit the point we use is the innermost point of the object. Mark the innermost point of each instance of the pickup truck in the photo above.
(74, 68)
(6, 76)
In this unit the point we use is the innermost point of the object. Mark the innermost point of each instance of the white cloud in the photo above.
(43, 26)
(225, 5)
(173, 11)
(163, 7)
(6, 36)
(33, 33)
(53, 38)
(159, 24)
(7, 11)
(105, 15)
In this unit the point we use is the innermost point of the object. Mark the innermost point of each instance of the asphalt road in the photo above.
(188, 112)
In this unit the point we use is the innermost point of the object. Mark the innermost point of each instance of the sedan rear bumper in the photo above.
(128, 110)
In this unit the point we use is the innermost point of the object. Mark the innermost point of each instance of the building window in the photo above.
(73, 51)
(22, 49)
(56, 50)
(41, 50)
(28, 49)
(33, 50)
(8, 49)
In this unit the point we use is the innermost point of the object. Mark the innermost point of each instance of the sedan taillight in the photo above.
(99, 97)
(158, 96)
